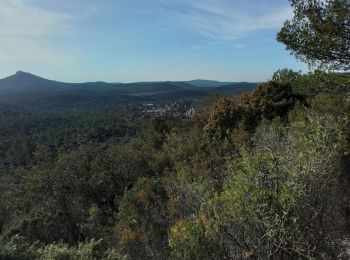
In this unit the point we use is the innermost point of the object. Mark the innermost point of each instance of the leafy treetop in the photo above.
(319, 33)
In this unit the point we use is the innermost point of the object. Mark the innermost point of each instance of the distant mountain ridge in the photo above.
(23, 79)
(207, 83)
(27, 90)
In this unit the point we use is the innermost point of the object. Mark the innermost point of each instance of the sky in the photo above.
(144, 40)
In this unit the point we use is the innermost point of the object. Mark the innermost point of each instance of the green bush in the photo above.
(91, 250)
(269, 100)
(18, 249)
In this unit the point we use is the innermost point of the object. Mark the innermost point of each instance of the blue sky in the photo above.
(144, 40)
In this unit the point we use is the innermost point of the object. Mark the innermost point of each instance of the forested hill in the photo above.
(27, 91)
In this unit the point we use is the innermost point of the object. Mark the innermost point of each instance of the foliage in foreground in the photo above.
(281, 199)
(19, 249)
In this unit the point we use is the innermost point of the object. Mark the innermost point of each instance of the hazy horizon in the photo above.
(120, 82)
(135, 41)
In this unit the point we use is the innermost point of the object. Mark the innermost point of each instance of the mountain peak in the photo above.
(24, 81)
(24, 74)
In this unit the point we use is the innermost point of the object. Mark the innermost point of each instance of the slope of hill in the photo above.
(23, 81)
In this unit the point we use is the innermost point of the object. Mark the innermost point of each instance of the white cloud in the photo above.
(227, 20)
(31, 35)
(18, 19)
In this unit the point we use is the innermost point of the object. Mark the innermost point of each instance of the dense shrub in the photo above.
(19, 249)
(283, 198)
(269, 100)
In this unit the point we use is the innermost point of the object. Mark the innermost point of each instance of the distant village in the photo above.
(178, 108)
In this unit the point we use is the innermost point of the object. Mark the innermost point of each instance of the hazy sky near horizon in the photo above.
(144, 40)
